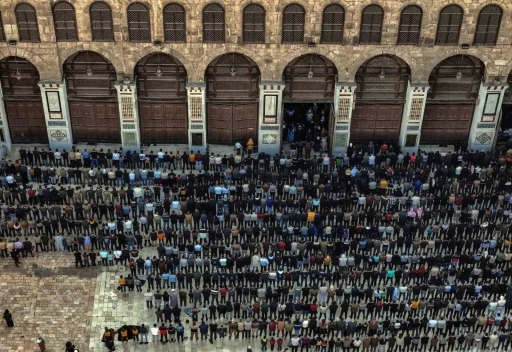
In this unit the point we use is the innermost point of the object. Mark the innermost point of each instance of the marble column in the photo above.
(412, 117)
(5, 135)
(484, 127)
(128, 115)
(270, 117)
(196, 92)
(56, 113)
(339, 124)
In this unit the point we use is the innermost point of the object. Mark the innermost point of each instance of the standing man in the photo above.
(78, 259)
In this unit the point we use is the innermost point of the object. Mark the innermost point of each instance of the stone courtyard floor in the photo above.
(49, 297)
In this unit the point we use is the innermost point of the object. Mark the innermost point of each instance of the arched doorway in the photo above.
(380, 97)
(309, 91)
(92, 98)
(232, 94)
(162, 98)
(23, 103)
(454, 85)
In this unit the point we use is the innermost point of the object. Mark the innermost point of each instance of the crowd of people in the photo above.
(373, 249)
(306, 126)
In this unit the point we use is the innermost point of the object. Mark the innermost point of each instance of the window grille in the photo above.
(174, 23)
(293, 24)
(488, 25)
(213, 24)
(65, 22)
(254, 24)
(332, 24)
(26, 19)
(101, 22)
(448, 28)
(371, 25)
(410, 25)
(139, 29)
(2, 33)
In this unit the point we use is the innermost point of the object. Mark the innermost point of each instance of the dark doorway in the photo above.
(307, 122)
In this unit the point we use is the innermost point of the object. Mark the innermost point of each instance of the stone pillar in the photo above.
(196, 92)
(485, 118)
(270, 117)
(5, 135)
(56, 113)
(339, 125)
(128, 115)
(412, 117)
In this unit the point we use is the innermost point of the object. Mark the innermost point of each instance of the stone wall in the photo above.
(271, 57)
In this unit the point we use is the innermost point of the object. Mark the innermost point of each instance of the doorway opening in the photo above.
(505, 126)
(307, 123)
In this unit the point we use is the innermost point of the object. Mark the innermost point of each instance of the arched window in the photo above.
(2, 33)
(448, 28)
(293, 24)
(488, 25)
(410, 25)
(26, 19)
(213, 24)
(64, 20)
(371, 25)
(139, 29)
(101, 22)
(174, 23)
(254, 24)
(332, 24)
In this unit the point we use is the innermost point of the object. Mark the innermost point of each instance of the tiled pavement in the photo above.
(49, 297)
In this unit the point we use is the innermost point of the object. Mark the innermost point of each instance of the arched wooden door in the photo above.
(92, 98)
(162, 98)
(380, 97)
(232, 93)
(454, 85)
(309, 78)
(23, 103)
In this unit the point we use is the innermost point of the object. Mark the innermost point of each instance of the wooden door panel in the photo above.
(376, 123)
(26, 120)
(95, 122)
(163, 122)
(220, 121)
(245, 122)
(446, 123)
(229, 123)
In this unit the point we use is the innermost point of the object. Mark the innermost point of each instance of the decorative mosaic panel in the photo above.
(416, 109)
(340, 139)
(269, 138)
(130, 138)
(483, 138)
(128, 126)
(413, 128)
(196, 127)
(58, 135)
(269, 128)
(57, 123)
(342, 128)
(127, 107)
(486, 125)
(344, 108)
(195, 105)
